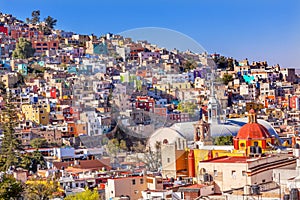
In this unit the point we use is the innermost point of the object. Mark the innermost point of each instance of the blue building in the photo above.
(22, 69)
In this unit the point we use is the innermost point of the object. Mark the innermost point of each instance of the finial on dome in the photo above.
(252, 118)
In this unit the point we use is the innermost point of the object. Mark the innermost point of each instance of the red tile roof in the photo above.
(83, 164)
(253, 131)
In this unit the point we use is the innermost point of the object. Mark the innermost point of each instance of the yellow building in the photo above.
(276, 113)
(255, 106)
(38, 113)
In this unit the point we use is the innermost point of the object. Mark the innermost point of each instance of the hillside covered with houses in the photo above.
(132, 120)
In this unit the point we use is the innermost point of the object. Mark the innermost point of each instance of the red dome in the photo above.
(253, 131)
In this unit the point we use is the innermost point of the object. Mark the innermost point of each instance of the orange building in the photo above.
(41, 46)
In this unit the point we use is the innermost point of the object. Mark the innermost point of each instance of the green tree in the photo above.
(23, 49)
(230, 64)
(187, 107)
(10, 188)
(227, 78)
(38, 189)
(112, 147)
(10, 144)
(221, 62)
(223, 140)
(123, 145)
(38, 143)
(35, 16)
(30, 161)
(189, 65)
(50, 22)
(138, 147)
(86, 195)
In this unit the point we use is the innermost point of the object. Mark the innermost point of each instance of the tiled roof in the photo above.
(253, 131)
(83, 164)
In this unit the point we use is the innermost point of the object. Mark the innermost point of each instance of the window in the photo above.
(233, 174)
(168, 160)
(242, 145)
(141, 181)
(133, 181)
(244, 173)
(215, 173)
(149, 180)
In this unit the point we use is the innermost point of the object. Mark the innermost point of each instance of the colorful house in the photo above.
(36, 113)
(22, 69)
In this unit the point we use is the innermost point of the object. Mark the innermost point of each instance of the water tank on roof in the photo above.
(294, 194)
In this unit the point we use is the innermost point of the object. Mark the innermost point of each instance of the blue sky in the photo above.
(257, 29)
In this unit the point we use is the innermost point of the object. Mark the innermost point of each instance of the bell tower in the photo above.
(202, 133)
(213, 107)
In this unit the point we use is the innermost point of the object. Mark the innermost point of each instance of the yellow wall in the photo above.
(242, 149)
(181, 161)
(36, 113)
(255, 106)
(201, 155)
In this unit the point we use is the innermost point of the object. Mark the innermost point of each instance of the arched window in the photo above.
(202, 171)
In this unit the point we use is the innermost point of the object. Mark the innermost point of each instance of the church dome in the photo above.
(253, 130)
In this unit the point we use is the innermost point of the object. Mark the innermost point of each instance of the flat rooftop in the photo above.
(244, 159)
(227, 159)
